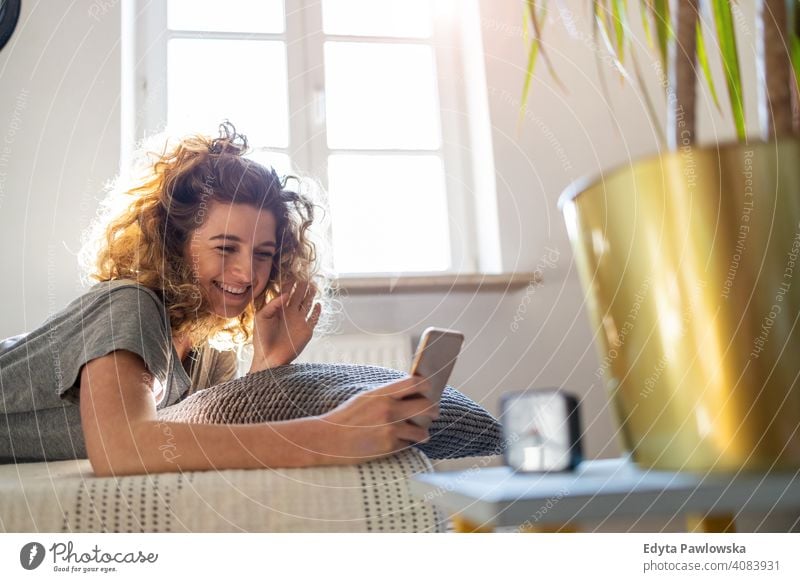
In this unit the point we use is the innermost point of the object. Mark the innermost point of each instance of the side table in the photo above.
(483, 499)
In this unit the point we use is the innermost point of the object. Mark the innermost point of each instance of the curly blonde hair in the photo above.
(143, 227)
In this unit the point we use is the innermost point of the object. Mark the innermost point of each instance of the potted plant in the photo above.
(691, 259)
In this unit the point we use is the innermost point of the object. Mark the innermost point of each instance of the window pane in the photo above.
(276, 160)
(228, 16)
(244, 81)
(407, 18)
(389, 213)
(381, 96)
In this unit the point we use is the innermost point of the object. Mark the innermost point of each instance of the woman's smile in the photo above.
(232, 292)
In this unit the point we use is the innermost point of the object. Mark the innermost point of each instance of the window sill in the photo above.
(451, 283)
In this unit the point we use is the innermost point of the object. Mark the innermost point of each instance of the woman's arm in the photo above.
(124, 436)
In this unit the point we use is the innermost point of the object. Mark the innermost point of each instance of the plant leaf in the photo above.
(596, 23)
(643, 10)
(536, 20)
(794, 41)
(659, 11)
(532, 54)
(648, 102)
(702, 59)
(601, 28)
(726, 36)
(796, 60)
(617, 14)
(526, 8)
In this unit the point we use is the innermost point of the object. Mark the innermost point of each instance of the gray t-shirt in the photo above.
(40, 371)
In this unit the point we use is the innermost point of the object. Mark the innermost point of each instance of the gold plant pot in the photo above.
(691, 266)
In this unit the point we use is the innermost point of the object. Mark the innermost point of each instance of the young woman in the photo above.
(207, 247)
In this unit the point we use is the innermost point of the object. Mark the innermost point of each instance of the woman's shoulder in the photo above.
(118, 296)
(122, 288)
(122, 309)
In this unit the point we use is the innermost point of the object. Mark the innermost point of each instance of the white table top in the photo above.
(599, 489)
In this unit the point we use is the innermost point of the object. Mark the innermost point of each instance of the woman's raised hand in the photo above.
(284, 326)
(377, 422)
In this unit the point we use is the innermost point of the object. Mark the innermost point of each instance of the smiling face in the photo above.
(231, 255)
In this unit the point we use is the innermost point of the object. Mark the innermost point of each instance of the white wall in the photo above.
(59, 123)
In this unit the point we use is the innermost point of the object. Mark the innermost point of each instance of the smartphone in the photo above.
(436, 357)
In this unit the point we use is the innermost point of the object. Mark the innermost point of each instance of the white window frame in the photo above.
(145, 82)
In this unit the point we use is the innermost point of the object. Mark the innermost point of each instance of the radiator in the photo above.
(391, 351)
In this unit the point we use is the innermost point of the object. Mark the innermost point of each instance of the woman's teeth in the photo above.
(230, 290)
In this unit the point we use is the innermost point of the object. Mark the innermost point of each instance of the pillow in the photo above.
(463, 429)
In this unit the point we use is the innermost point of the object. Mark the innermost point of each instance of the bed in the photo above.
(65, 496)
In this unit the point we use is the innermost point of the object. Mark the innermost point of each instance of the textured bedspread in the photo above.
(64, 496)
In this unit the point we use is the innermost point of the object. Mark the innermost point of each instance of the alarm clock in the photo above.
(542, 430)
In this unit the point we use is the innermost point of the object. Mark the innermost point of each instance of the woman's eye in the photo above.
(225, 249)
(265, 256)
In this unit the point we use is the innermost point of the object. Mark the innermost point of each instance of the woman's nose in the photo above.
(241, 269)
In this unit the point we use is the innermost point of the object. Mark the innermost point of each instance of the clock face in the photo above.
(538, 425)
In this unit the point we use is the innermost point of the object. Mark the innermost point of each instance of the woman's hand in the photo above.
(377, 422)
(284, 326)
